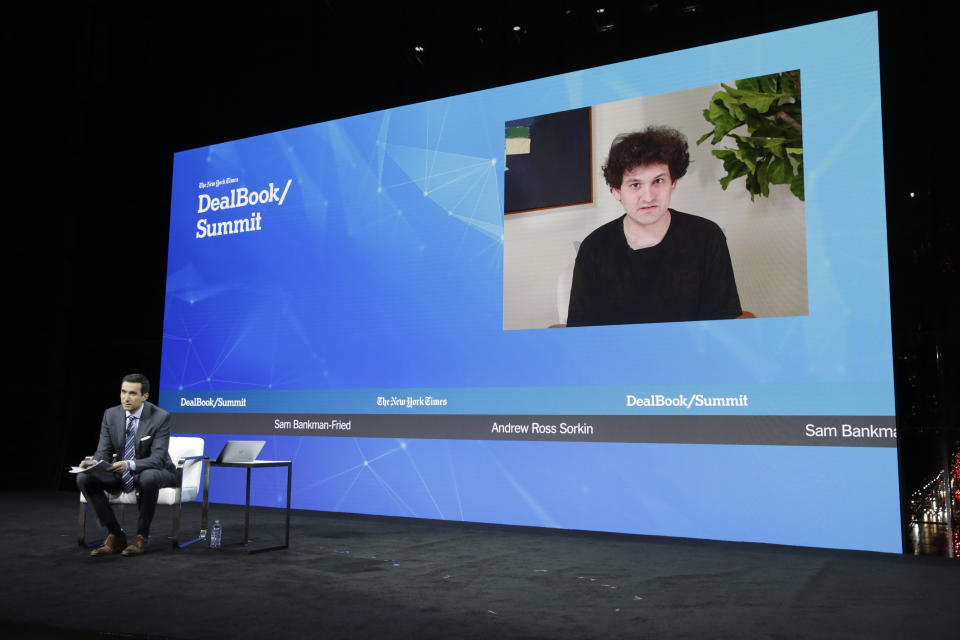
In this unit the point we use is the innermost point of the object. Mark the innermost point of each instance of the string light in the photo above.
(955, 502)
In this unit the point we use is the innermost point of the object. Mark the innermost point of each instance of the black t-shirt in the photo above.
(687, 276)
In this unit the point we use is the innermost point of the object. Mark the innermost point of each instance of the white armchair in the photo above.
(187, 455)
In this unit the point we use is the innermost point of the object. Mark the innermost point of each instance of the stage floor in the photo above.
(348, 576)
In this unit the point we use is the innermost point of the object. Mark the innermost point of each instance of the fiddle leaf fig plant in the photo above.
(761, 116)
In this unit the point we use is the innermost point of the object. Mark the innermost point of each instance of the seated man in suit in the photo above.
(133, 442)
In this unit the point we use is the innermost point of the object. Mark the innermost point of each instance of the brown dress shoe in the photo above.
(112, 544)
(137, 547)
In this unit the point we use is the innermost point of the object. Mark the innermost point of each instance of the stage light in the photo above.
(603, 22)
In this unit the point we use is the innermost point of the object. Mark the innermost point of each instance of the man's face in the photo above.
(131, 397)
(645, 194)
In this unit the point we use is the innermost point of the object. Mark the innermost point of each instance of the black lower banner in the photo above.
(832, 431)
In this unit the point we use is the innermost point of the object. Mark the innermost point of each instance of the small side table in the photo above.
(250, 466)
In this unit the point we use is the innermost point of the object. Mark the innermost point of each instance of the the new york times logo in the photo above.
(240, 197)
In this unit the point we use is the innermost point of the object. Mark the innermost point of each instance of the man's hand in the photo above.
(87, 462)
(119, 466)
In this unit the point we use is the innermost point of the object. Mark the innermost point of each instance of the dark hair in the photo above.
(653, 145)
(138, 377)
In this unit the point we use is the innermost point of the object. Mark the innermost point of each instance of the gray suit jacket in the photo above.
(153, 437)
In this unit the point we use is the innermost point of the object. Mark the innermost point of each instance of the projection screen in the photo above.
(359, 294)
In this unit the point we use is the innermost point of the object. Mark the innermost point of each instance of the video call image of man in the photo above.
(652, 264)
(134, 437)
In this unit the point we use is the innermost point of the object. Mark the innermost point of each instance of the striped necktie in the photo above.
(128, 452)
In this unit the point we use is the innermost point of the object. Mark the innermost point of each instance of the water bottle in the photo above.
(215, 535)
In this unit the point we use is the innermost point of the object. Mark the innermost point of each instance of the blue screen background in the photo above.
(382, 273)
